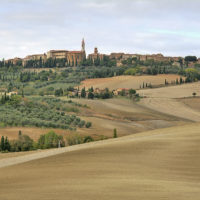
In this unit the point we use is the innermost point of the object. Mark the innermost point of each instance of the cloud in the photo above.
(143, 26)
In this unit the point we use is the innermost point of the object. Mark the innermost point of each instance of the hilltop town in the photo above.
(77, 58)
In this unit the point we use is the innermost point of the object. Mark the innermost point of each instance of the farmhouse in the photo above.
(119, 91)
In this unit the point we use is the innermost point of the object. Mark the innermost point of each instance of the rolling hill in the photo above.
(159, 164)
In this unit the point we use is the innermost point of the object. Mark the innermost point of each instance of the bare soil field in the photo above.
(178, 91)
(161, 108)
(18, 154)
(154, 165)
(192, 102)
(167, 100)
(34, 133)
(128, 81)
(125, 115)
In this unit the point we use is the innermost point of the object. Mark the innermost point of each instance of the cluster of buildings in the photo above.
(74, 58)
(99, 91)
(176, 61)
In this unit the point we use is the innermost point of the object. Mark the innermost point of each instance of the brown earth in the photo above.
(34, 133)
(128, 81)
(166, 100)
(155, 165)
(124, 114)
(192, 102)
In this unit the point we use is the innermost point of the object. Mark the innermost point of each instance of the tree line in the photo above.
(45, 141)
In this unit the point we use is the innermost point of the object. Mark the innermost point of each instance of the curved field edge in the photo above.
(130, 138)
(151, 165)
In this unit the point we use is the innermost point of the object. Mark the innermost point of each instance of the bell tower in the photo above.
(83, 45)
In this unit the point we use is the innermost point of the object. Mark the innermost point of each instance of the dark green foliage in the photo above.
(132, 92)
(5, 144)
(81, 124)
(104, 95)
(2, 147)
(88, 124)
(20, 133)
(40, 112)
(194, 94)
(83, 93)
(10, 100)
(190, 58)
(74, 139)
(115, 133)
(88, 139)
(90, 95)
(59, 92)
(23, 143)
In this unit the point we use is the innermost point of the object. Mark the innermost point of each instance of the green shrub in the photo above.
(74, 139)
(23, 143)
(115, 133)
(88, 124)
(88, 139)
(50, 140)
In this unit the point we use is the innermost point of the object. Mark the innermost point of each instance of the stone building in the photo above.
(34, 57)
(14, 61)
(74, 58)
(96, 55)
(116, 56)
(126, 56)
(58, 54)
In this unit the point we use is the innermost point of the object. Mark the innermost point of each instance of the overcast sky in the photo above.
(171, 27)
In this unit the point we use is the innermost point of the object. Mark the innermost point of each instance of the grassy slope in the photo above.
(160, 164)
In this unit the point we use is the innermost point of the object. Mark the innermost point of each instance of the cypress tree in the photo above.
(20, 133)
(115, 133)
(7, 144)
(2, 143)
(83, 93)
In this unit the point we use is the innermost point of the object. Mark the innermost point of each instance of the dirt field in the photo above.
(123, 114)
(160, 164)
(191, 102)
(179, 91)
(34, 133)
(128, 81)
(161, 108)
(168, 100)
